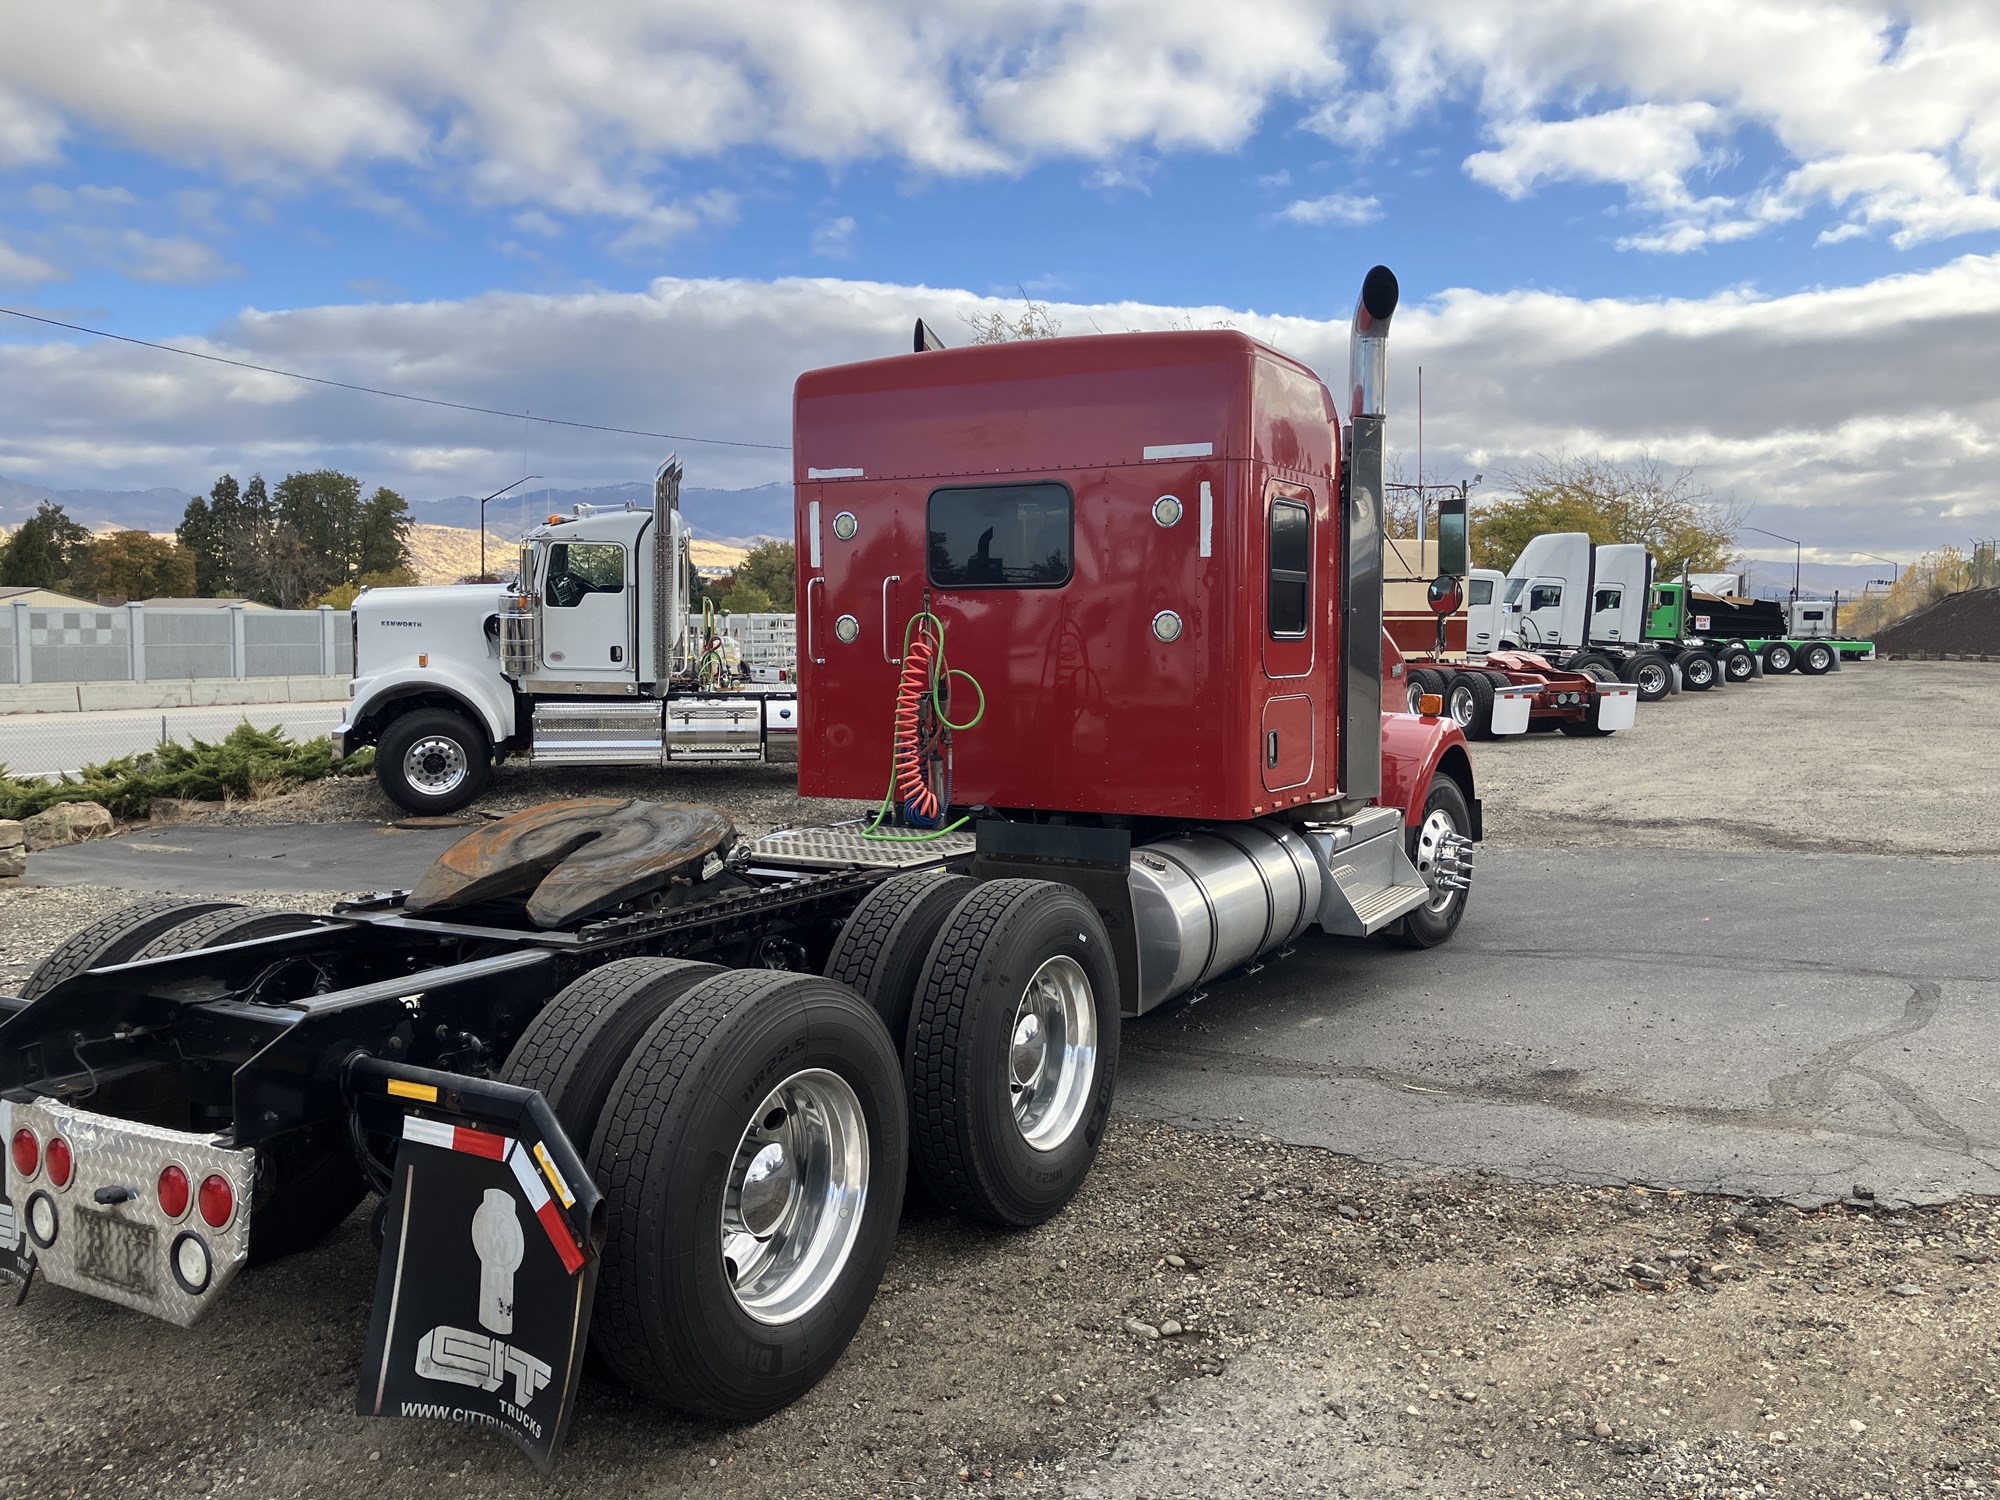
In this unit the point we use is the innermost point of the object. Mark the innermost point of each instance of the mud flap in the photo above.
(489, 1257)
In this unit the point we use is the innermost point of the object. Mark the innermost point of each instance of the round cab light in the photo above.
(174, 1190)
(43, 1220)
(62, 1165)
(1167, 510)
(27, 1149)
(844, 526)
(1167, 625)
(217, 1200)
(846, 628)
(192, 1266)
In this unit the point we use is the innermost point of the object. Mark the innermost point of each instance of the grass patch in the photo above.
(247, 762)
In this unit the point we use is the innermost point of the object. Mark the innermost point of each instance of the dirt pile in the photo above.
(1967, 623)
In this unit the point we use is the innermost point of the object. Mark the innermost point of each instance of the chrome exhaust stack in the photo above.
(1361, 525)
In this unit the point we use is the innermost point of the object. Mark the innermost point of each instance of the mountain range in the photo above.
(736, 518)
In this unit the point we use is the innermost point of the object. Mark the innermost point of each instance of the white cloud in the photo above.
(1866, 416)
(1651, 148)
(170, 260)
(1334, 208)
(587, 111)
(835, 238)
(20, 269)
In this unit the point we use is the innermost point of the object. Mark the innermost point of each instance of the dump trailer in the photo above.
(1105, 615)
(588, 659)
(1802, 637)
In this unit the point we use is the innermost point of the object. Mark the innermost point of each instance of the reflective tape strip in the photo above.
(555, 1178)
(1207, 519)
(456, 1138)
(834, 474)
(402, 1089)
(553, 1222)
(1177, 450)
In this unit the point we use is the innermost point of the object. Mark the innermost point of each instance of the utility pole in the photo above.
(1798, 555)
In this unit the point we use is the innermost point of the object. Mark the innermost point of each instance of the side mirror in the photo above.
(1445, 595)
(1454, 537)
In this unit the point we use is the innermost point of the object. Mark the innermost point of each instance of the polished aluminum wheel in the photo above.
(1437, 853)
(792, 1207)
(435, 765)
(1464, 707)
(1052, 1053)
(1651, 678)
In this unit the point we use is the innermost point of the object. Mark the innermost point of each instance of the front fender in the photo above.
(1416, 749)
(487, 697)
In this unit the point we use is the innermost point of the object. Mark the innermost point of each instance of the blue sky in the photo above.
(655, 215)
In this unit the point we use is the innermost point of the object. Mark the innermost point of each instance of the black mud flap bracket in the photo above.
(489, 1256)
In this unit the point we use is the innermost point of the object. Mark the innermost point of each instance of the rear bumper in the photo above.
(104, 1232)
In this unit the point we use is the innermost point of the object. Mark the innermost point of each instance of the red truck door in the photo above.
(1288, 546)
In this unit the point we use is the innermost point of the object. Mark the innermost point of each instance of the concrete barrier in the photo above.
(201, 692)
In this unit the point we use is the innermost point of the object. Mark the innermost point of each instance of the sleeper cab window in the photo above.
(580, 568)
(1001, 536)
(1291, 568)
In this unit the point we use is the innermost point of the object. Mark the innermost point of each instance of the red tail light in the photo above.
(60, 1162)
(27, 1149)
(173, 1189)
(217, 1200)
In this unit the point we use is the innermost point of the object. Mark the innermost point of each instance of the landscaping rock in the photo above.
(67, 823)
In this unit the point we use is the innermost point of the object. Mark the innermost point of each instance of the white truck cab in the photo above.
(586, 660)
(1483, 588)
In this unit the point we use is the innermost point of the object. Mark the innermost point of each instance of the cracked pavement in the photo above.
(1778, 1026)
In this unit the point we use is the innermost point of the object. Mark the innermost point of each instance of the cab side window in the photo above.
(580, 568)
(1545, 596)
(1480, 591)
(1291, 569)
(1609, 598)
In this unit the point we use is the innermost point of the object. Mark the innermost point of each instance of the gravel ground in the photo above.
(1877, 758)
(1343, 1329)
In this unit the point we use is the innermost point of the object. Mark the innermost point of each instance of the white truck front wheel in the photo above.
(432, 760)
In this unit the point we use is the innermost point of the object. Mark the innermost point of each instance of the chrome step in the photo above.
(846, 848)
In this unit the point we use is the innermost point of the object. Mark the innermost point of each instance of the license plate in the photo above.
(115, 1251)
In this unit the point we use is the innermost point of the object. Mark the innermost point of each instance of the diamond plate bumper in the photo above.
(124, 1248)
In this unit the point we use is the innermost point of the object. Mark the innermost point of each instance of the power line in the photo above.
(370, 390)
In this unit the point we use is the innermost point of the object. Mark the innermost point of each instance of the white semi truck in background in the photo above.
(587, 660)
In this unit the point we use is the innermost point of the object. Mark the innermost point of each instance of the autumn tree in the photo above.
(1664, 506)
(42, 552)
(770, 569)
(133, 565)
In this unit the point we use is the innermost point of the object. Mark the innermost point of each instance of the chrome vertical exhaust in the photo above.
(1362, 537)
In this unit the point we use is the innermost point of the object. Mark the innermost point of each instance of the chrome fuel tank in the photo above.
(1209, 900)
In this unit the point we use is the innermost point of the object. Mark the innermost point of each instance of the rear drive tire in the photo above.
(1698, 671)
(1738, 665)
(881, 951)
(113, 939)
(1007, 1114)
(1815, 658)
(1597, 669)
(1444, 811)
(764, 1103)
(1779, 657)
(1469, 703)
(433, 760)
(1422, 680)
(216, 929)
(578, 1044)
(1650, 673)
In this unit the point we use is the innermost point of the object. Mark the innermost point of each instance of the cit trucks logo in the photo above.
(463, 1357)
(483, 1298)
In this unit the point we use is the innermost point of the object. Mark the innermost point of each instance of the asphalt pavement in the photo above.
(58, 743)
(1791, 1026)
(339, 857)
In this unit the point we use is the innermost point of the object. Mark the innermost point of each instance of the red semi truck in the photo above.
(1099, 619)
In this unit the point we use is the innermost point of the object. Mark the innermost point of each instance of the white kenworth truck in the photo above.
(586, 661)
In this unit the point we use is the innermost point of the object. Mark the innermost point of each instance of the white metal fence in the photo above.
(63, 744)
(131, 643)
